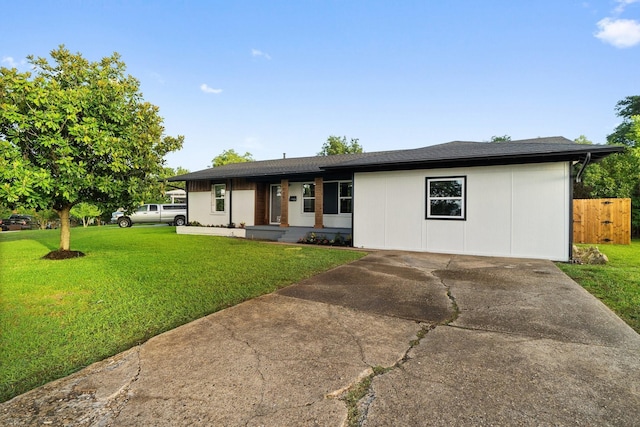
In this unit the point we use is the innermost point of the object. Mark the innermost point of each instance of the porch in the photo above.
(292, 234)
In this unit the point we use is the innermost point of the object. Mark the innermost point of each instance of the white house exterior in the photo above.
(509, 199)
(511, 210)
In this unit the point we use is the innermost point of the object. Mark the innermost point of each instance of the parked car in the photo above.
(156, 213)
(24, 221)
(16, 221)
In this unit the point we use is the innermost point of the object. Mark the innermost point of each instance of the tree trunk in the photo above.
(65, 228)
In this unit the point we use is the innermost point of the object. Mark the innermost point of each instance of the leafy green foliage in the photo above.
(57, 317)
(583, 140)
(78, 131)
(617, 175)
(86, 212)
(503, 138)
(625, 133)
(159, 193)
(337, 145)
(168, 172)
(230, 156)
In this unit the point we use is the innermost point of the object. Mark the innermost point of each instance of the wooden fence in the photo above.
(602, 221)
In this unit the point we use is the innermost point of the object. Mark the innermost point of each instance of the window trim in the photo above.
(304, 198)
(337, 198)
(340, 197)
(215, 198)
(462, 198)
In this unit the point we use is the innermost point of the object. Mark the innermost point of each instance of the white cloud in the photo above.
(257, 53)
(622, 4)
(206, 89)
(9, 61)
(621, 33)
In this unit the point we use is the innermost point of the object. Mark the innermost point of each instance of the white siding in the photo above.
(199, 205)
(243, 205)
(337, 221)
(298, 218)
(513, 211)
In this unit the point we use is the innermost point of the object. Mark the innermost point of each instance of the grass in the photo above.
(616, 284)
(59, 316)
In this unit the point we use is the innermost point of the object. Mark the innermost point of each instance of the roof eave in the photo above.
(596, 155)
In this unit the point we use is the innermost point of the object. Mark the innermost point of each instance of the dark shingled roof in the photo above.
(450, 154)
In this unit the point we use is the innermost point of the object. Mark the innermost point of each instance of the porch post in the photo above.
(319, 205)
(284, 205)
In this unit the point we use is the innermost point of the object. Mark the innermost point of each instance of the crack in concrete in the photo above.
(359, 396)
(258, 357)
(332, 310)
(121, 398)
(358, 409)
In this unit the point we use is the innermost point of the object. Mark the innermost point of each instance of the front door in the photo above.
(275, 204)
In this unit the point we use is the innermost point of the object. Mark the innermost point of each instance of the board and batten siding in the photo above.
(243, 206)
(513, 211)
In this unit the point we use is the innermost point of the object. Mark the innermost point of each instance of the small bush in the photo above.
(321, 239)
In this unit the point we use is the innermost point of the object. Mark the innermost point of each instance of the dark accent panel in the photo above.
(330, 199)
(195, 186)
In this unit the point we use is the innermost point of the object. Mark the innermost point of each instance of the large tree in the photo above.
(617, 175)
(230, 156)
(74, 131)
(336, 145)
(624, 133)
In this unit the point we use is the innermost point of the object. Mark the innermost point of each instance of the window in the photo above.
(338, 197)
(217, 197)
(308, 197)
(346, 197)
(446, 198)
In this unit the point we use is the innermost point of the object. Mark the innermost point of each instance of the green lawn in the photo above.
(59, 316)
(617, 284)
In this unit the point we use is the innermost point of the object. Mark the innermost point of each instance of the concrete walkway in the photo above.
(462, 340)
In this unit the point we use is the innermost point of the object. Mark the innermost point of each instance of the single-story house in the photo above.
(511, 199)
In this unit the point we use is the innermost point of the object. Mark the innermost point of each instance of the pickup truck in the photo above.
(174, 214)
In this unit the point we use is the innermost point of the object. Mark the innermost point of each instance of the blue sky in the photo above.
(274, 77)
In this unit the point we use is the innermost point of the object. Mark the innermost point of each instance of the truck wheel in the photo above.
(124, 222)
(179, 220)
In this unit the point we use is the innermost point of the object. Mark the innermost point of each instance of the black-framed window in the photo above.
(338, 197)
(446, 198)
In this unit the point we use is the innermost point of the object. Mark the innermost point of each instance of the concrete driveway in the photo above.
(453, 340)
